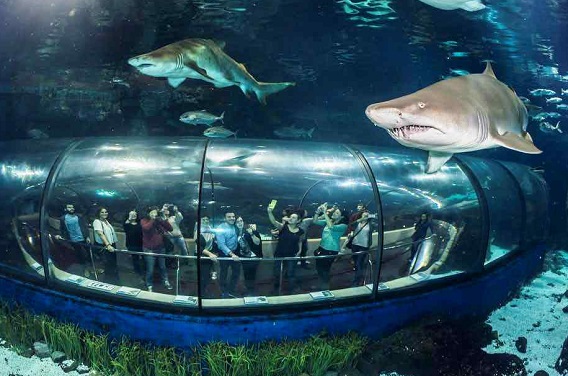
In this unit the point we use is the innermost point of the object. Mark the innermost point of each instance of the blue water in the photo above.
(58, 60)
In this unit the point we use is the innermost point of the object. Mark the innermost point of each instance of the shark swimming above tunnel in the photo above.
(457, 115)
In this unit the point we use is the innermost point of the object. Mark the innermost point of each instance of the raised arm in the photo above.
(273, 220)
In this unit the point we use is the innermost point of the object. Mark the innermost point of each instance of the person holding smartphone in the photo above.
(250, 247)
(289, 240)
(335, 223)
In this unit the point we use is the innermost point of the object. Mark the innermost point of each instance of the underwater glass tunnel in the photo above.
(488, 221)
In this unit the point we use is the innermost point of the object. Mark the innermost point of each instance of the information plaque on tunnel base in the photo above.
(321, 295)
(255, 300)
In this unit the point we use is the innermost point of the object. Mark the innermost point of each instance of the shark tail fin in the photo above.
(311, 131)
(473, 6)
(264, 89)
(222, 117)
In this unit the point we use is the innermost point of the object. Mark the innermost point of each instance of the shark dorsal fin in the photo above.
(220, 43)
(488, 70)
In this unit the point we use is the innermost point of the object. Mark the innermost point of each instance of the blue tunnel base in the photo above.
(476, 296)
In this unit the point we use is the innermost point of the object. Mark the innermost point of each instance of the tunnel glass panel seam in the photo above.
(197, 234)
(485, 217)
(46, 194)
(522, 200)
(372, 180)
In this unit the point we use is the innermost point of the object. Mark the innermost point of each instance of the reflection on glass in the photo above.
(111, 186)
(504, 204)
(242, 179)
(431, 221)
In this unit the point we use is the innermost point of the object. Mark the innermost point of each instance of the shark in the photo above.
(457, 115)
(203, 59)
(469, 5)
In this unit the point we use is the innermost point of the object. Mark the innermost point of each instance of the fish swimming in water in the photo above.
(203, 59)
(219, 132)
(469, 5)
(563, 107)
(200, 117)
(293, 132)
(554, 100)
(36, 134)
(542, 92)
(457, 115)
(546, 127)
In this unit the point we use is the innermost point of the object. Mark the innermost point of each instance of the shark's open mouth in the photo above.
(145, 65)
(408, 130)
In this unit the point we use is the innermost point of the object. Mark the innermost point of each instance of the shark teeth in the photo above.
(407, 130)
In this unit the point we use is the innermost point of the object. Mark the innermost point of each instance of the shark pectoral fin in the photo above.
(436, 160)
(193, 65)
(473, 6)
(515, 142)
(175, 82)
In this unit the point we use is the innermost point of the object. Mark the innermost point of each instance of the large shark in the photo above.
(202, 59)
(457, 115)
(469, 5)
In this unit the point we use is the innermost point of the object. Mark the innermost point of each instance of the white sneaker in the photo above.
(213, 275)
(167, 285)
(149, 288)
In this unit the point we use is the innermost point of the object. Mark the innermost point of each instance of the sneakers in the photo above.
(167, 285)
(213, 275)
(149, 288)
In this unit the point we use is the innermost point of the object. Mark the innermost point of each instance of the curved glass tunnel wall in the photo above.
(24, 168)
(209, 178)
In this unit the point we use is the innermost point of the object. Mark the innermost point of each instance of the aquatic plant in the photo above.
(96, 352)
(315, 356)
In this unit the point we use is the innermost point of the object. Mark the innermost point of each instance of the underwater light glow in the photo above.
(105, 193)
(23, 173)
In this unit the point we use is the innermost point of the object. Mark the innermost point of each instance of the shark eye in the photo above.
(421, 104)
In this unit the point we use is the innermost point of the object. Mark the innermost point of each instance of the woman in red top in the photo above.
(153, 228)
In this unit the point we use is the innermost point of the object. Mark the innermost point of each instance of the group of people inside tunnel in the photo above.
(239, 246)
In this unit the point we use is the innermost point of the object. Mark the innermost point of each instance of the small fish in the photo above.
(537, 170)
(119, 81)
(553, 100)
(293, 132)
(458, 54)
(200, 117)
(563, 107)
(525, 100)
(553, 115)
(449, 44)
(36, 134)
(546, 127)
(219, 132)
(459, 72)
(564, 91)
(542, 92)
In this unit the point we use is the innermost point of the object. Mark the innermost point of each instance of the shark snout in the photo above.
(386, 117)
(140, 62)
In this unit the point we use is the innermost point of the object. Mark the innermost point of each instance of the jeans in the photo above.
(360, 261)
(110, 265)
(288, 270)
(137, 261)
(179, 243)
(150, 262)
(323, 265)
(235, 267)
